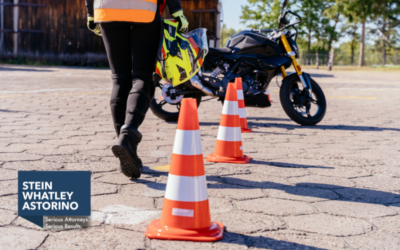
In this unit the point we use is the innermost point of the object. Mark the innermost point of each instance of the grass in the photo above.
(23, 61)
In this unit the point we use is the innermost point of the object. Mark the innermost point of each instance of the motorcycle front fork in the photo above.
(305, 80)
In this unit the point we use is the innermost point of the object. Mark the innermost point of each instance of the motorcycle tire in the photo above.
(166, 115)
(170, 116)
(288, 105)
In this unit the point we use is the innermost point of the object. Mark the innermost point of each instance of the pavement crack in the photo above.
(45, 238)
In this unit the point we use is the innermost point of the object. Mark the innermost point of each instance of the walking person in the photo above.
(131, 31)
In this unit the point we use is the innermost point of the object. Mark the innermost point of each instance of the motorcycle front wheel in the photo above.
(164, 110)
(299, 106)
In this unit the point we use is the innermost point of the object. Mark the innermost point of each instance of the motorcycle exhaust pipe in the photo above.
(196, 82)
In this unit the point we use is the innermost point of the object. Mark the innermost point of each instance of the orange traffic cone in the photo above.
(268, 94)
(186, 212)
(242, 108)
(229, 147)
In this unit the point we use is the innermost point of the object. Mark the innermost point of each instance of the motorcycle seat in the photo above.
(224, 50)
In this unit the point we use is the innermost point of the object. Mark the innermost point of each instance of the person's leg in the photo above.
(145, 43)
(117, 41)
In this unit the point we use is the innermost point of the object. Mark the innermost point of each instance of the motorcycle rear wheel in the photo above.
(291, 96)
(164, 110)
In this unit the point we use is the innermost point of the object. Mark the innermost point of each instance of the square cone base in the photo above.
(246, 130)
(223, 159)
(157, 231)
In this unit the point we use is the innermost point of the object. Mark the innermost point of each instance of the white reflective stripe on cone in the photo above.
(182, 212)
(186, 188)
(242, 113)
(230, 108)
(229, 134)
(187, 142)
(240, 94)
(266, 92)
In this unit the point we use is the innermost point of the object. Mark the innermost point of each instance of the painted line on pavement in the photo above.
(84, 93)
(354, 97)
(162, 168)
(368, 89)
(347, 97)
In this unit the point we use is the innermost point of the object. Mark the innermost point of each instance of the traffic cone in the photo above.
(229, 147)
(186, 212)
(242, 108)
(268, 94)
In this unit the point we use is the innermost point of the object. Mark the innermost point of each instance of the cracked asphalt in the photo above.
(332, 186)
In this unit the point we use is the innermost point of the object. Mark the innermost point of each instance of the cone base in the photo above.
(157, 231)
(246, 130)
(223, 159)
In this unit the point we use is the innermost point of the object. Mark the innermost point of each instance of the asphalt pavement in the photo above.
(331, 186)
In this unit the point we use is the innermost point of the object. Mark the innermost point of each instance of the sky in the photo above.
(231, 12)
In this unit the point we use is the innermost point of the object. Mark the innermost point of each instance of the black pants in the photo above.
(131, 50)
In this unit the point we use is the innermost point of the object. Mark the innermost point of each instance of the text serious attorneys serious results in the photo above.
(35, 193)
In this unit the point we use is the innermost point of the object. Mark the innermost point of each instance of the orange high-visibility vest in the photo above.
(140, 11)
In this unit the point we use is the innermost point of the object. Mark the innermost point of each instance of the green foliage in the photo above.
(351, 48)
(226, 34)
(313, 19)
(386, 17)
(261, 14)
(320, 18)
(325, 21)
(357, 10)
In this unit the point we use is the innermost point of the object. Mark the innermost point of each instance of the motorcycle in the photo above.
(257, 56)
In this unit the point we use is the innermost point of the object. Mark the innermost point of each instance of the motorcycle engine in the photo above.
(254, 83)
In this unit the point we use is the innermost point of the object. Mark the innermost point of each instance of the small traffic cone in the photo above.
(186, 212)
(268, 94)
(242, 108)
(229, 147)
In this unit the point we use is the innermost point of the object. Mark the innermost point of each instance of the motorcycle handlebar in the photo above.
(292, 25)
(297, 15)
(291, 12)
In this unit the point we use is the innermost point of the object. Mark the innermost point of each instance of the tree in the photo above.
(261, 14)
(351, 30)
(359, 11)
(386, 17)
(333, 13)
(313, 19)
(317, 18)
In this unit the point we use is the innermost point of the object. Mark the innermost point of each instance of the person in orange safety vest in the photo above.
(131, 32)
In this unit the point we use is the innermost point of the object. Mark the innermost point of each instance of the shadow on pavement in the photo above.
(321, 75)
(28, 112)
(10, 111)
(331, 127)
(23, 69)
(209, 123)
(267, 119)
(286, 165)
(317, 190)
(351, 194)
(262, 242)
(252, 124)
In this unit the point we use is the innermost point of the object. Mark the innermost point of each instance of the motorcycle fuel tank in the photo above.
(253, 42)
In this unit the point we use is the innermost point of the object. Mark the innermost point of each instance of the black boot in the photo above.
(126, 150)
